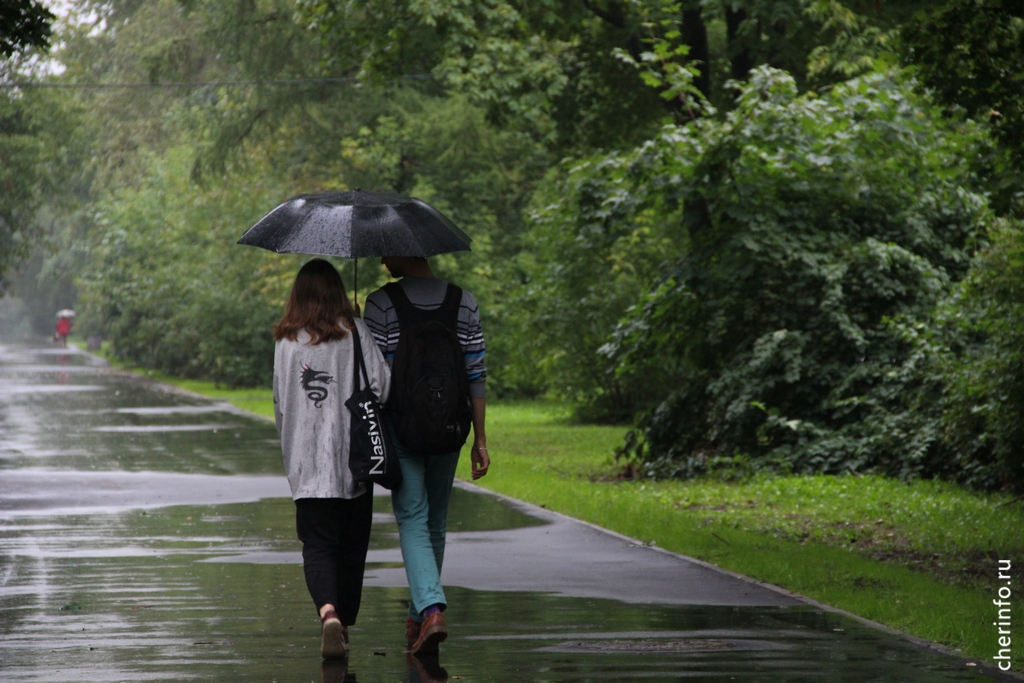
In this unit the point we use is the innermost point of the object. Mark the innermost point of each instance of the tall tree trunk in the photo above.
(741, 57)
(695, 34)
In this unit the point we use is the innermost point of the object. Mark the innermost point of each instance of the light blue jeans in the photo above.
(421, 508)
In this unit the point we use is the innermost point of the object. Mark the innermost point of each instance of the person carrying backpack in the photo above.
(430, 334)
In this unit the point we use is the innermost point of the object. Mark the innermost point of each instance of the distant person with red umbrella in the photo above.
(63, 326)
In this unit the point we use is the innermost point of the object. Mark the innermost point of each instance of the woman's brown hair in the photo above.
(318, 304)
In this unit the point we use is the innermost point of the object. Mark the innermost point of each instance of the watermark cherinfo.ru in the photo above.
(1002, 622)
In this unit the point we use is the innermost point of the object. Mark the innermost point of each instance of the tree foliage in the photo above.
(36, 135)
(811, 233)
(554, 67)
(155, 223)
(983, 363)
(41, 150)
(969, 54)
(736, 224)
(168, 283)
(24, 24)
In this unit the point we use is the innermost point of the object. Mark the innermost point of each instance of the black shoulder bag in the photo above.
(371, 457)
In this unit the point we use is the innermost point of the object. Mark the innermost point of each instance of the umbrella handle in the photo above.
(355, 286)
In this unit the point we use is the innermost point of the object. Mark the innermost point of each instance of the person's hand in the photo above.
(481, 461)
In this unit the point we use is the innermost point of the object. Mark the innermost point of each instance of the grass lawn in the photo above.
(920, 557)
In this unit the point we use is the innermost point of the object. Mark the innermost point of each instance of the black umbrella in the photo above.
(356, 225)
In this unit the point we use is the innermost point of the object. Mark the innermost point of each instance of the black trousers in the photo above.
(335, 534)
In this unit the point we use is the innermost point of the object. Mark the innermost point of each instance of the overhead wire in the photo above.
(192, 84)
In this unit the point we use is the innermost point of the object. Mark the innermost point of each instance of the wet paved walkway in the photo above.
(147, 535)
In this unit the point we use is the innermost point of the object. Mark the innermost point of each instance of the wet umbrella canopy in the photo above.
(356, 224)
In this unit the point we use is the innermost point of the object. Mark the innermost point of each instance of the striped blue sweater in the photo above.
(427, 293)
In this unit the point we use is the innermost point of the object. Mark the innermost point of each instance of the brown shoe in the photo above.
(412, 633)
(333, 637)
(432, 633)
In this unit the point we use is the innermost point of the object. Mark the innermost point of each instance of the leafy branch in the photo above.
(664, 65)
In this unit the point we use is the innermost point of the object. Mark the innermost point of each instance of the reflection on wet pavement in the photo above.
(137, 554)
(34, 490)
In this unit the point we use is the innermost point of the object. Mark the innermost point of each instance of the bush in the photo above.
(984, 364)
(173, 290)
(815, 235)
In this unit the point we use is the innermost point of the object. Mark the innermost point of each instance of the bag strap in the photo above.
(449, 310)
(410, 315)
(358, 363)
(404, 309)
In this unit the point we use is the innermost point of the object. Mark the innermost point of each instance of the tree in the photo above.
(969, 55)
(550, 67)
(40, 153)
(25, 140)
(982, 330)
(807, 235)
(24, 24)
(273, 140)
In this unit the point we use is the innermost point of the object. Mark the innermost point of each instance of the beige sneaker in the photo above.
(334, 637)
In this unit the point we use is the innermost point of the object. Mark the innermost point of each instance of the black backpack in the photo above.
(429, 405)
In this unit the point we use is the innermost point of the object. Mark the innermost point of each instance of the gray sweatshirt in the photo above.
(311, 385)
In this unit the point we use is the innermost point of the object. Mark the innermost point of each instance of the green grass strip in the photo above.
(919, 557)
(258, 401)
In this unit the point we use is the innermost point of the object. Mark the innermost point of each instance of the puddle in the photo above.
(153, 429)
(131, 425)
(158, 545)
(50, 369)
(36, 351)
(38, 491)
(659, 645)
(179, 410)
(10, 390)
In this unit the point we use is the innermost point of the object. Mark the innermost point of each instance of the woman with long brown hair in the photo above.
(313, 369)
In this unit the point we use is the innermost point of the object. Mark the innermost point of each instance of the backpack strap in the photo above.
(410, 315)
(404, 309)
(449, 310)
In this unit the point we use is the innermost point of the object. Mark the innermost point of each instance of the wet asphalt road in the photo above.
(147, 535)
